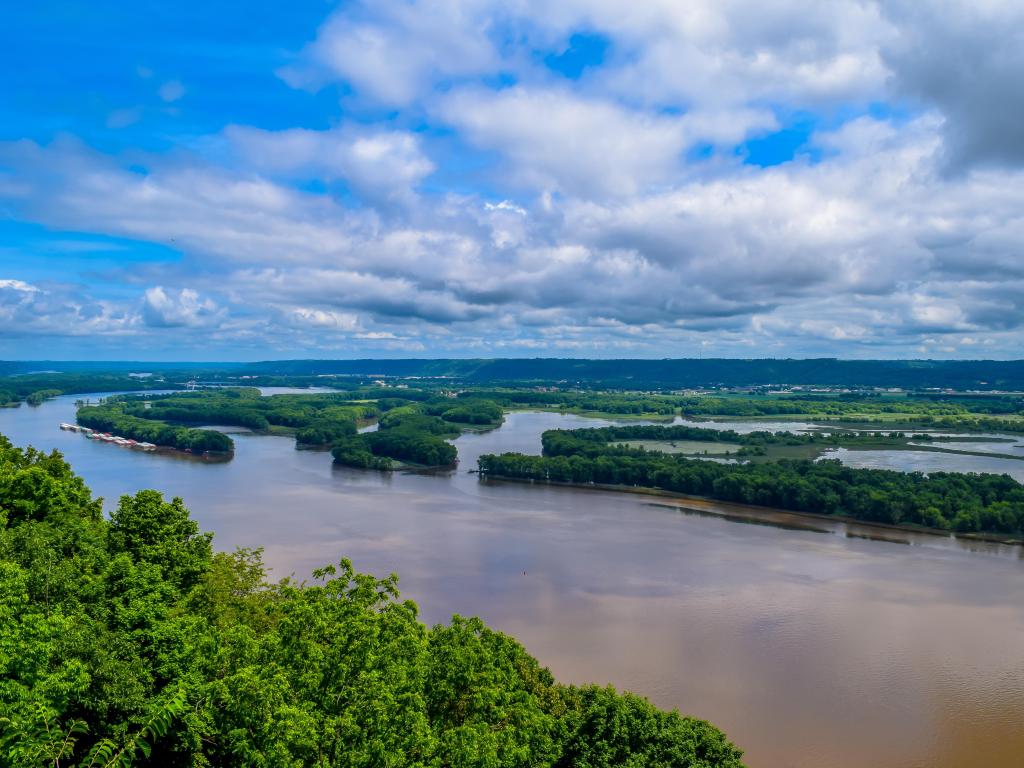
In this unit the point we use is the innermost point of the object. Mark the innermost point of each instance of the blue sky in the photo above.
(223, 180)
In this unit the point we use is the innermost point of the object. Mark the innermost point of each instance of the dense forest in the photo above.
(317, 419)
(415, 434)
(130, 640)
(948, 501)
(414, 425)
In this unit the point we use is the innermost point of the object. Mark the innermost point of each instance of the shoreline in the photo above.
(755, 512)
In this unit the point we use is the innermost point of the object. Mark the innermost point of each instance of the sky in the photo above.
(481, 178)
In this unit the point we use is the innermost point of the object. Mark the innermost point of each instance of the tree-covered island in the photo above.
(413, 426)
(963, 502)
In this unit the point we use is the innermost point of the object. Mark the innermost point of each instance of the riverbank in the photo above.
(754, 512)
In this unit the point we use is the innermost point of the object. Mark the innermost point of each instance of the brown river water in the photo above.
(810, 642)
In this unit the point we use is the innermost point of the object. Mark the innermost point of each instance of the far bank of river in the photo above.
(810, 646)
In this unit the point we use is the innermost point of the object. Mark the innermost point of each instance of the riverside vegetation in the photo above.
(969, 503)
(130, 640)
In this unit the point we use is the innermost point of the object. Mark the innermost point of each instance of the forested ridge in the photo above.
(964, 502)
(130, 640)
(957, 374)
(633, 373)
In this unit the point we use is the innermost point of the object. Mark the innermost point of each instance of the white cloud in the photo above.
(171, 91)
(556, 140)
(163, 308)
(17, 286)
(30, 310)
(505, 205)
(324, 319)
(379, 164)
(391, 51)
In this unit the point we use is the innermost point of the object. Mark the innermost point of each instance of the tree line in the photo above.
(853, 407)
(607, 441)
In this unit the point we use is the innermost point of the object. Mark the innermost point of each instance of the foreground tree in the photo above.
(130, 641)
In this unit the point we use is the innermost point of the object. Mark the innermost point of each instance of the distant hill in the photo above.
(23, 367)
(956, 374)
(640, 374)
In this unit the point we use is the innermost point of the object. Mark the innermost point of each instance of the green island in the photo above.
(413, 425)
(962, 502)
(129, 638)
(170, 419)
(417, 435)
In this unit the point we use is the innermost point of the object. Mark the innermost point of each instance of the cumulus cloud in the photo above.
(31, 310)
(382, 165)
(966, 60)
(392, 50)
(554, 139)
(162, 308)
(232, 216)
(304, 317)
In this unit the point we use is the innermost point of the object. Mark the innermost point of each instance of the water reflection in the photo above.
(928, 461)
(813, 648)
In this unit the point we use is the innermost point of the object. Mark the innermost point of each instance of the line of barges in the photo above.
(106, 437)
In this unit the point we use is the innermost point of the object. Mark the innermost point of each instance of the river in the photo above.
(810, 648)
